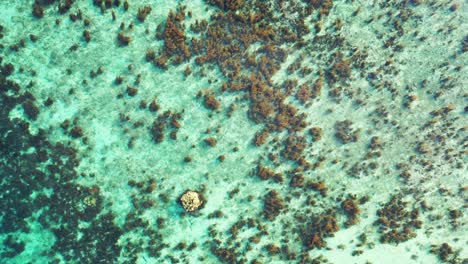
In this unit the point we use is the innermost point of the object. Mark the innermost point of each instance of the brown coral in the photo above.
(322, 226)
(273, 205)
(265, 173)
(123, 40)
(351, 209)
(227, 4)
(210, 102)
(31, 110)
(211, 141)
(261, 137)
(174, 37)
(143, 13)
(345, 133)
(396, 223)
(293, 147)
(316, 133)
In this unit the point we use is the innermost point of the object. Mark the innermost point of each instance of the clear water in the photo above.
(99, 209)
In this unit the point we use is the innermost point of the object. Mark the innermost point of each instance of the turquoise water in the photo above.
(313, 131)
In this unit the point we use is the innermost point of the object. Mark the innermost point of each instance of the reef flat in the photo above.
(233, 131)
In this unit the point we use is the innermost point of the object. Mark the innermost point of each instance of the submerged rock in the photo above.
(191, 201)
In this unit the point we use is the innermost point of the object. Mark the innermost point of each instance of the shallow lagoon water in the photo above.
(118, 201)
